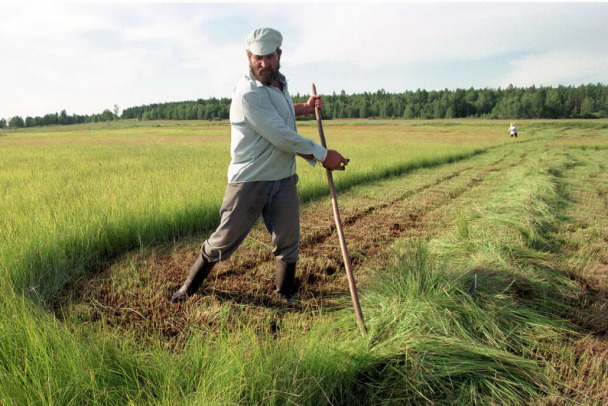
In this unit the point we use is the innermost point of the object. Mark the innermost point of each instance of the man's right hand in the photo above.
(334, 160)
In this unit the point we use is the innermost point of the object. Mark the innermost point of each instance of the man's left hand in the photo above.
(314, 101)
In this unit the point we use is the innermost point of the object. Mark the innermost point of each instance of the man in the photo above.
(262, 173)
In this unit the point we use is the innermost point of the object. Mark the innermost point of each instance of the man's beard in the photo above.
(266, 76)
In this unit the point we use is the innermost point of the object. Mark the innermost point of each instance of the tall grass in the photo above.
(43, 363)
(393, 149)
(71, 201)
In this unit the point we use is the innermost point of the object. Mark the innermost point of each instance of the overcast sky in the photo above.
(86, 57)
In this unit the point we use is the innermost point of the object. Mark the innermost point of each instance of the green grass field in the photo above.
(90, 215)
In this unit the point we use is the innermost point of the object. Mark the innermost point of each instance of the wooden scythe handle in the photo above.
(334, 201)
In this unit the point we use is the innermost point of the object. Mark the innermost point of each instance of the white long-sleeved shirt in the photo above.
(264, 138)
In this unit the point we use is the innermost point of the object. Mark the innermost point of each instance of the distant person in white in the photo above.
(513, 130)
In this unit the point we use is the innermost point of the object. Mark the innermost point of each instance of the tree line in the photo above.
(511, 103)
(58, 119)
(586, 101)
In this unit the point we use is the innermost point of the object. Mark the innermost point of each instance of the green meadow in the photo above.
(526, 215)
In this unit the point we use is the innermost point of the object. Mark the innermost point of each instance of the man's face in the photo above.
(265, 68)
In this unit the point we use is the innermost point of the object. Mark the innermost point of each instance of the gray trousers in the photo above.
(277, 202)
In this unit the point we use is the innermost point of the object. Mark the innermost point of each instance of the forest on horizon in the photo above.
(511, 103)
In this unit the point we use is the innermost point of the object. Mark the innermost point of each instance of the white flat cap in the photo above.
(264, 41)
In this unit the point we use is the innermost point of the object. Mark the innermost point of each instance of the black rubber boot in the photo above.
(196, 276)
(284, 278)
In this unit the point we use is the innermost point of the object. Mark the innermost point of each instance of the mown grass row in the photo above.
(482, 349)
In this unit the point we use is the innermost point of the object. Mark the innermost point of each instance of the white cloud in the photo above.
(415, 33)
(558, 67)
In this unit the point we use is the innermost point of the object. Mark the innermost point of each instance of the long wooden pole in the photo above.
(334, 201)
